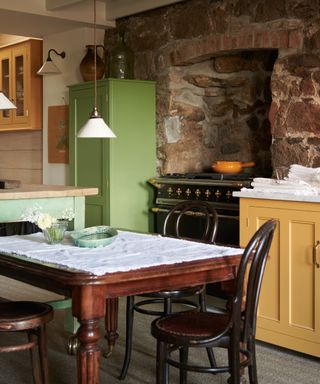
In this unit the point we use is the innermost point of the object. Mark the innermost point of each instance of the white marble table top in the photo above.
(129, 251)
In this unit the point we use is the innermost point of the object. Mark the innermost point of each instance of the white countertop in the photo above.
(252, 194)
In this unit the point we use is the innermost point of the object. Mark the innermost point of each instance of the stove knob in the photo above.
(228, 194)
(207, 193)
(188, 192)
(179, 191)
(217, 194)
(170, 190)
(197, 192)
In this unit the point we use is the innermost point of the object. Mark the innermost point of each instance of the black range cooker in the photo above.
(212, 187)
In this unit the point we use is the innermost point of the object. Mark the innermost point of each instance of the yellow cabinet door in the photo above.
(289, 306)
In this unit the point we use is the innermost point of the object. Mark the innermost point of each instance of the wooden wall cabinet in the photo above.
(289, 306)
(19, 81)
(118, 167)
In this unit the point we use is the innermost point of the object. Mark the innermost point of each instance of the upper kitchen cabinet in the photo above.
(119, 167)
(21, 84)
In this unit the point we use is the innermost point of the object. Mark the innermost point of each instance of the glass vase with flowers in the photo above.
(53, 228)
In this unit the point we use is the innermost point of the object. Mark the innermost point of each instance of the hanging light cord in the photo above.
(95, 112)
(95, 52)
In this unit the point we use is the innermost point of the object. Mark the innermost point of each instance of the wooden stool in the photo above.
(30, 317)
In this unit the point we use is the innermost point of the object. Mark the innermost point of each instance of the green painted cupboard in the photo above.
(118, 167)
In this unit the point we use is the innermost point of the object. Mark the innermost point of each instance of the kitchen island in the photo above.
(52, 199)
(289, 306)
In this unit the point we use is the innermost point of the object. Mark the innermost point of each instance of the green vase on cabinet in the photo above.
(119, 167)
(121, 60)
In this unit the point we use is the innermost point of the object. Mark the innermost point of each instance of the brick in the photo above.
(295, 39)
(279, 39)
(257, 39)
(245, 40)
(226, 42)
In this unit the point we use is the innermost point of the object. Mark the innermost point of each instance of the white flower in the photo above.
(67, 214)
(45, 220)
(32, 214)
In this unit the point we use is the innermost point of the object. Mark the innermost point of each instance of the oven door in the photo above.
(228, 225)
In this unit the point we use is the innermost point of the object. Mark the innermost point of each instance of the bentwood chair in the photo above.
(175, 226)
(31, 318)
(234, 331)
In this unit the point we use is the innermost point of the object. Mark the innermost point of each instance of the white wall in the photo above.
(55, 87)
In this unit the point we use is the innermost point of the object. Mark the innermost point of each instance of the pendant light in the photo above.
(5, 103)
(95, 126)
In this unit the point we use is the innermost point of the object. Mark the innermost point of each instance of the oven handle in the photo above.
(166, 210)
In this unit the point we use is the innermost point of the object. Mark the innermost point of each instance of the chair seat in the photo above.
(174, 294)
(189, 325)
(30, 318)
(23, 315)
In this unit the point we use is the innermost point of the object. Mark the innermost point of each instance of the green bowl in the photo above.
(93, 237)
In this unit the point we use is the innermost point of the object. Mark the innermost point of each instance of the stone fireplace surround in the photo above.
(214, 63)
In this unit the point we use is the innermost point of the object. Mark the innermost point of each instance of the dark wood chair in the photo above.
(234, 331)
(174, 225)
(29, 317)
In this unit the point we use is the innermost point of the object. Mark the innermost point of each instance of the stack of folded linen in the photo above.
(309, 175)
(295, 187)
(300, 181)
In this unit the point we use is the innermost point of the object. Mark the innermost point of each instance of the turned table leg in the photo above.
(88, 306)
(111, 323)
(88, 353)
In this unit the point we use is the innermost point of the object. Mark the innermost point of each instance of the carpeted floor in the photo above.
(275, 366)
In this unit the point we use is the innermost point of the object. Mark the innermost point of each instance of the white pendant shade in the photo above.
(5, 103)
(96, 127)
(48, 68)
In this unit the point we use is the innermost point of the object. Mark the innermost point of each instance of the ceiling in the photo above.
(39, 18)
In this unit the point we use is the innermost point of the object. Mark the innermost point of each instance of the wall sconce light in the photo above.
(5, 103)
(49, 67)
(95, 126)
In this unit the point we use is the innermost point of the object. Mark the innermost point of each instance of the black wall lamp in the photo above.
(49, 67)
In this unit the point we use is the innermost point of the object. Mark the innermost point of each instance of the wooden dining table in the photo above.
(89, 292)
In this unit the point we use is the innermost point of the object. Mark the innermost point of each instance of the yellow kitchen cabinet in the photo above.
(21, 84)
(289, 306)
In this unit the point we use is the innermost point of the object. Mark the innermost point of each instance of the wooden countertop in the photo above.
(30, 191)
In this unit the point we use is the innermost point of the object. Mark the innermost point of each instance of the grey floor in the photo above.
(275, 366)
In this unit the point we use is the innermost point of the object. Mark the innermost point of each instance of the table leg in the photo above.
(88, 353)
(111, 323)
(88, 306)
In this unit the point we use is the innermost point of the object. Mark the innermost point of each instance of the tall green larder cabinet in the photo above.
(118, 167)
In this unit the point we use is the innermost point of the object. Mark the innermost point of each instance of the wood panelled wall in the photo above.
(21, 156)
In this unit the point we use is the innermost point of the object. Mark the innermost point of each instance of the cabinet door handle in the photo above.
(315, 254)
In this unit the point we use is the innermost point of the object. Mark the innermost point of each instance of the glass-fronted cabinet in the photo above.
(20, 83)
(19, 89)
(5, 57)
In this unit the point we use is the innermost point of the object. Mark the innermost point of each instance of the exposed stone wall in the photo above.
(295, 110)
(172, 43)
(219, 110)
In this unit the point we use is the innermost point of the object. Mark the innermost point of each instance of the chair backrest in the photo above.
(249, 279)
(176, 222)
